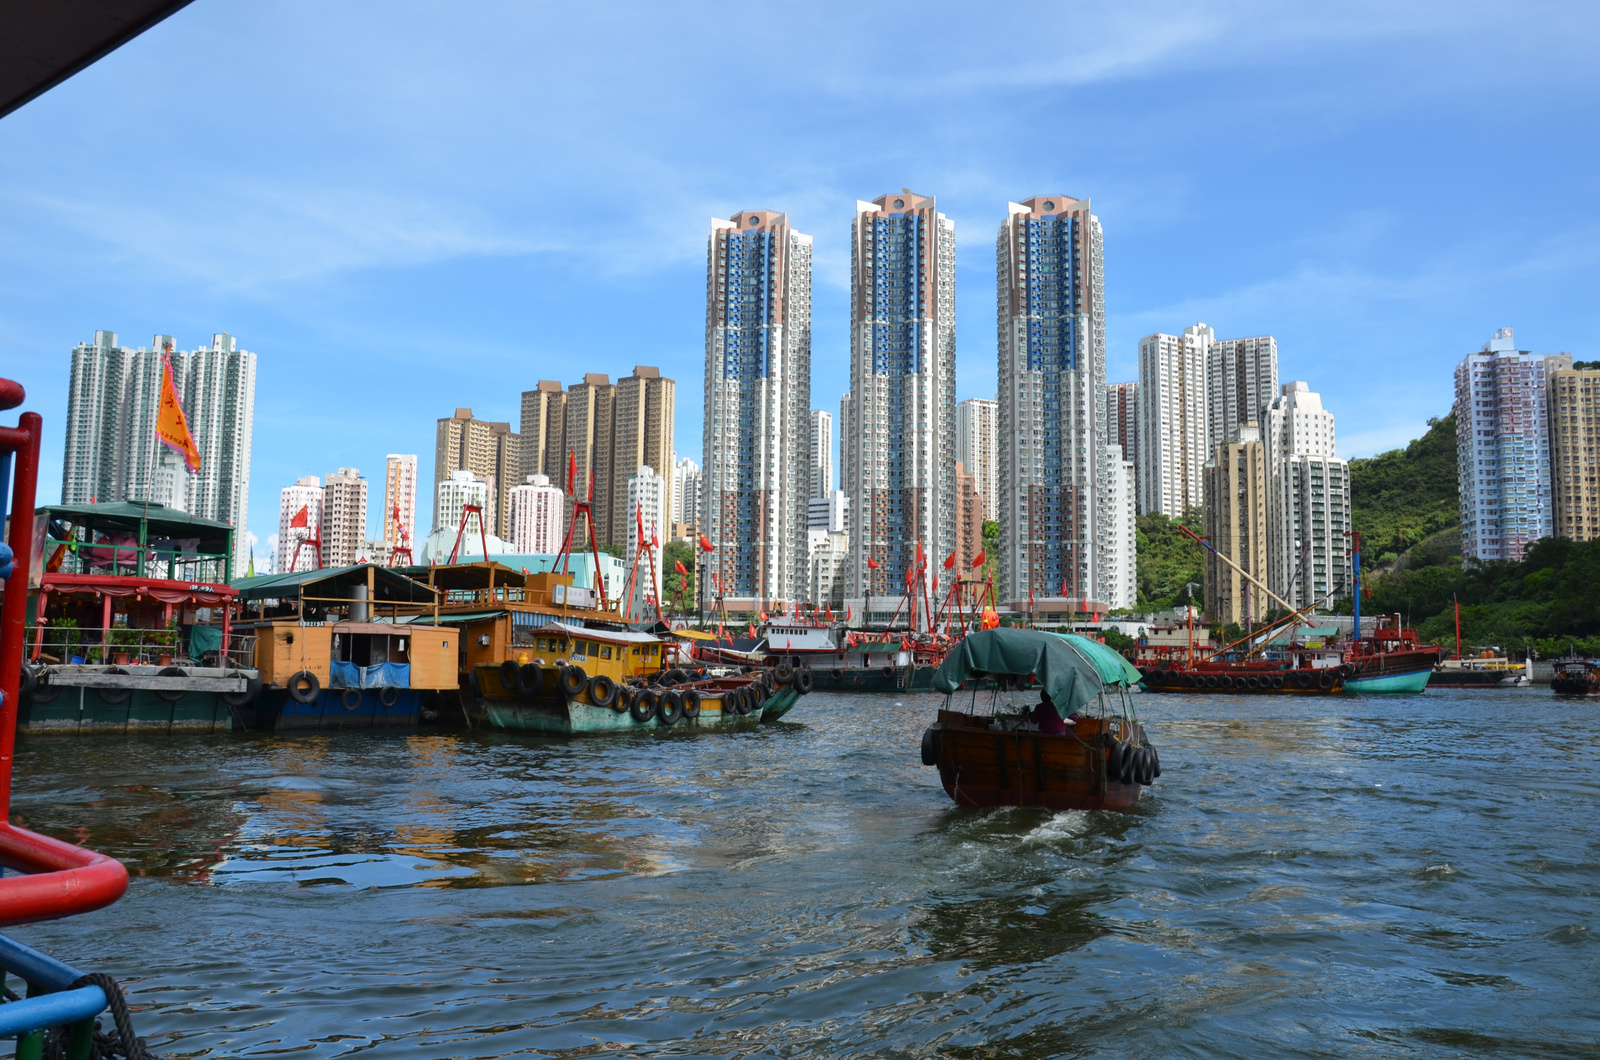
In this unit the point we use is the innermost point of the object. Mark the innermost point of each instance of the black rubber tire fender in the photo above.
(388, 696)
(1155, 762)
(836, 673)
(27, 681)
(430, 705)
(1277, 681)
(530, 679)
(783, 673)
(1147, 766)
(691, 703)
(1303, 680)
(744, 700)
(930, 747)
(246, 696)
(1325, 682)
(473, 684)
(674, 676)
(171, 695)
(508, 675)
(114, 696)
(643, 707)
(350, 699)
(1213, 681)
(1116, 754)
(670, 707)
(804, 680)
(44, 691)
(1130, 766)
(888, 671)
(602, 690)
(304, 687)
(573, 680)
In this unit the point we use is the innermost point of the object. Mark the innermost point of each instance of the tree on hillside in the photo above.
(1403, 497)
(1168, 560)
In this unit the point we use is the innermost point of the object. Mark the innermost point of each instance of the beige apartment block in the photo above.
(1236, 491)
(1574, 410)
(641, 436)
(344, 517)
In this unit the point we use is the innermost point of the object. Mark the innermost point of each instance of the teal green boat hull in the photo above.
(557, 715)
(1412, 682)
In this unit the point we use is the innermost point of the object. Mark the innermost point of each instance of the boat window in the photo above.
(605, 651)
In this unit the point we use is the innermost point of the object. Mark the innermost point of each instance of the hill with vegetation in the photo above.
(1168, 560)
(1406, 497)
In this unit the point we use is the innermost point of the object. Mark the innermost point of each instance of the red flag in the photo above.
(950, 561)
(705, 543)
(172, 429)
(980, 558)
(763, 615)
(752, 630)
(678, 563)
(591, 488)
(1030, 597)
(847, 614)
(638, 518)
(572, 470)
(301, 518)
(921, 560)
(655, 542)
(1063, 588)
(830, 612)
(872, 563)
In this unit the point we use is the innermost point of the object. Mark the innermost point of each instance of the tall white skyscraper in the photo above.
(821, 453)
(111, 451)
(847, 448)
(686, 486)
(977, 448)
(649, 498)
(1056, 472)
(537, 508)
(344, 517)
(1503, 448)
(305, 495)
(1122, 423)
(1122, 534)
(1173, 428)
(1308, 499)
(758, 405)
(1241, 380)
(399, 506)
(902, 414)
(453, 496)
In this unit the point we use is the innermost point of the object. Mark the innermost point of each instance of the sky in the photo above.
(405, 208)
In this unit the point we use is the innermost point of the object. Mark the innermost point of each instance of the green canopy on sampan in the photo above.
(1073, 669)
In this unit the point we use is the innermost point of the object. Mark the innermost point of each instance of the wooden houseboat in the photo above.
(1576, 677)
(348, 647)
(129, 625)
(1083, 748)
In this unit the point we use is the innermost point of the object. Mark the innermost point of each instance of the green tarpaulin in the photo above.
(203, 639)
(1071, 668)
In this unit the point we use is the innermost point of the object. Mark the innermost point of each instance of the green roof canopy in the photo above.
(1073, 669)
(127, 515)
(387, 584)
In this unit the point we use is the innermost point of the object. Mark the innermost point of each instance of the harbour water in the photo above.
(1373, 877)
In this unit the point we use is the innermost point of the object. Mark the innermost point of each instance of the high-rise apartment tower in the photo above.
(758, 405)
(488, 450)
(821, 453)
(400, 496)
(1573, 404)
(1173, 425)
(1241, 380)
(900, 428)
(978, 448)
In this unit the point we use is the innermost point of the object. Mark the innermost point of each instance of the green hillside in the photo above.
(1168, 560)
(1406, 496)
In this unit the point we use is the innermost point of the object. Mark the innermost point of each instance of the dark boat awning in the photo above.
(1073, 669)
(43, 44)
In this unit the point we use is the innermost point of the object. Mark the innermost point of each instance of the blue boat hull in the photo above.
(1414, 681)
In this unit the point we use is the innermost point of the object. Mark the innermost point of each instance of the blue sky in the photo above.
(404, 208)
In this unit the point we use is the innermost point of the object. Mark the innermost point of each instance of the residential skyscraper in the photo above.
(1503, 448)
(1055, 468)
(758, 405)
(847, 448)
(1573, 408)
(344, 517)
(641, 435)
(969, 520)
(306, 494)
(978, 447)
(686, 478)
(1236, 493)
(1308, 500)
(1123, 534)
(648, 500)
(543, 432)
(1122, 421)
(451, 499)
(830, 514)
(111, 452)
(902, 418)
(489, 451)
(589, 407)
(1241, 380)
(399, 495)
(821, 453)
(1173, 428)
(537, 508)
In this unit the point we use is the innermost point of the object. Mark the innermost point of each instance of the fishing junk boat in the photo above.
(1390, 660)
(130, 628)
(1083, 750)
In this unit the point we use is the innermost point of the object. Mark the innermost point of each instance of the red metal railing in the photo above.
(62, 879)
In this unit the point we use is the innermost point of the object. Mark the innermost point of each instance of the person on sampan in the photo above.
(1044, 715)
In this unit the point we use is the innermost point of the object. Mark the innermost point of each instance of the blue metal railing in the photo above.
(51, 1001)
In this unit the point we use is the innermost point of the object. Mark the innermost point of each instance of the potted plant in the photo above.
(166, 641)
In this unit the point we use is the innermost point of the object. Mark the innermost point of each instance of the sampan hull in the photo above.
(984, 766)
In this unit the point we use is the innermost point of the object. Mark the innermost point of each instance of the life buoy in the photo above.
(304, 687)
(247, 695)
(530, 679)
(508, 675)
(573, 680)
(803, 680)
(602, 690)
(670, 707)
(784, 673)
(691, 704)
(114, 695)
(171, 695)
(1325, 681)
(643, 707)
(350, 699)
(388, 696)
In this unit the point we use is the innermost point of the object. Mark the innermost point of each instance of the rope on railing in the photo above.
(120, 1044)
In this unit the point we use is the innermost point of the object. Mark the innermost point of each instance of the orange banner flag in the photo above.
(172, 428)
